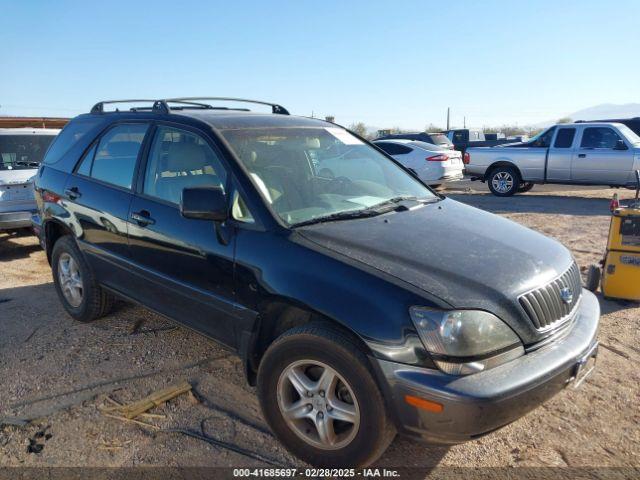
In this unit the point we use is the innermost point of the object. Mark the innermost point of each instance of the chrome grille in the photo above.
(546, 307)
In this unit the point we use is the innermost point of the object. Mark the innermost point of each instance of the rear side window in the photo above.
(393, 148)
(114, 158)
(70, 134)
(439, 139)
(564, 139)
(599, 137)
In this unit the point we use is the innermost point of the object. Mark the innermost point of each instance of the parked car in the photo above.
(21, 150)
(432, 164)
(569, 153)
(361, 305)
(439, 139)
(463, 138)
(632, 123)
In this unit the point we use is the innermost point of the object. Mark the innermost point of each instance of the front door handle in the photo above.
(582, 155)
(143, 218)
(72, 193)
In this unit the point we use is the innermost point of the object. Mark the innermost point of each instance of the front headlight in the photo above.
(465, 341)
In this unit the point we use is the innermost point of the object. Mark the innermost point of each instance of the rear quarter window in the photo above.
(68, 137)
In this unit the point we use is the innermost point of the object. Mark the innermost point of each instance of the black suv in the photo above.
(361, 303)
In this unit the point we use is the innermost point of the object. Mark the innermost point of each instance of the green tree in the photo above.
(565, 120)
(360, 128)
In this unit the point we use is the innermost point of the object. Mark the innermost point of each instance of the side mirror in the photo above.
(204, 203)
(620, 145)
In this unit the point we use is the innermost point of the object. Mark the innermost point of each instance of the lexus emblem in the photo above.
(566, 294)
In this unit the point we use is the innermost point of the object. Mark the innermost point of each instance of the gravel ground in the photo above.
(56, 372)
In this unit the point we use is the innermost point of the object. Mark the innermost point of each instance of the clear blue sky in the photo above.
(385, 63)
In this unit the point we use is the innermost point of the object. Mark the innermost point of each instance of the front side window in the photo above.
(179, 159)
(599, 137)
(564, 139)
(308, 173)
(22, 152)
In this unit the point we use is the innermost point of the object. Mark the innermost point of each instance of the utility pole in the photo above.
(464, 122)
(448, 118)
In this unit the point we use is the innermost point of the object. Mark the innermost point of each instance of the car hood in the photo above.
(8, 177)
(467, 257)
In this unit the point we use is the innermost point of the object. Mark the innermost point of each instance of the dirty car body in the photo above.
(354, 255)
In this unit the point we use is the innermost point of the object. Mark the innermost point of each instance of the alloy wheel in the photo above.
(318, 405)
(502, 182)
(70, 280)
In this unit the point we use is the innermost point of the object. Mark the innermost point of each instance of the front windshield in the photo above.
(309, 173)
(23, 152)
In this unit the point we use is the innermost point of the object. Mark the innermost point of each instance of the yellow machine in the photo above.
(620, 274)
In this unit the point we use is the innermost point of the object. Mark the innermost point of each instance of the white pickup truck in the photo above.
(569, 153)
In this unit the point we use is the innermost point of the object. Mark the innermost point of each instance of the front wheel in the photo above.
(319, 397)
(504, 181)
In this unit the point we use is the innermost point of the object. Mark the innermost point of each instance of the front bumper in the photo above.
(480, 403)
(14, 220)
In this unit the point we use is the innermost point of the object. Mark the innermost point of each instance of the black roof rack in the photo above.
(275, 108)
(158, 105)
(162, 106)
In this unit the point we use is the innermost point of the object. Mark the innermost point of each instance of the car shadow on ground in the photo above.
(558, 204)
(10, 250)
(409, 454)
(611, 305)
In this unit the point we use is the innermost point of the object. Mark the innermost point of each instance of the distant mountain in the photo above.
(607, 110)
(600, 112)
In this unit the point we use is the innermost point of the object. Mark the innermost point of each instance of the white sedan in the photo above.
(434, 165)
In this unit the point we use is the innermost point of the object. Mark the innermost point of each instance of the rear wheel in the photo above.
(319, 397)
(503, 181)
(594, 274)
(75, 283)
(525, 187)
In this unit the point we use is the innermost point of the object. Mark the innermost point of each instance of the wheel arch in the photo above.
(277, 315)
(501, 163)
(54, 230)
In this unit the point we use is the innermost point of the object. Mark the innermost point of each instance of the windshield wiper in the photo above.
(340, 216)
(377, 209)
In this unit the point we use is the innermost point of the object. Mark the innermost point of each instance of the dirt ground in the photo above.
(56, 373)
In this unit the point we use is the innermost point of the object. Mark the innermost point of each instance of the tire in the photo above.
(594, 274)
(525, 187)
(503, 181)
(93, 301)
(310, 351)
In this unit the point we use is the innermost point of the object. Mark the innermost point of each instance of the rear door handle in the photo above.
(582, 155)
(143, 218)
(72, 193)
